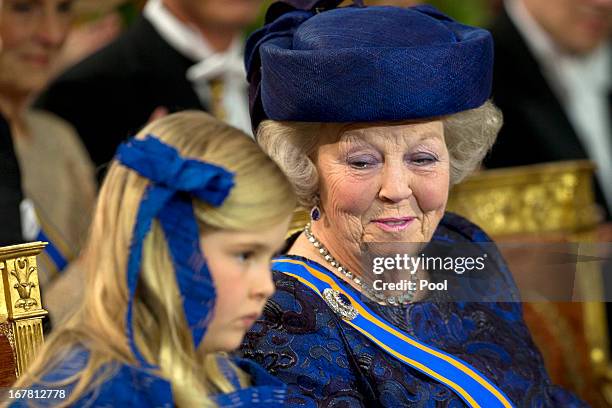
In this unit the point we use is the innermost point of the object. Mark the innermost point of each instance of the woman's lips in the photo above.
(37, 60)
(393, 224)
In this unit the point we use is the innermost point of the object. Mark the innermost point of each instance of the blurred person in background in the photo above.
(89, 36)
(552, 81)
(57, 175)
(10, 182)
(180, 54)
(10, 188)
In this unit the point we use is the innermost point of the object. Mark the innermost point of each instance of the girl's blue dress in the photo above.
(131, 386)
(301, 341)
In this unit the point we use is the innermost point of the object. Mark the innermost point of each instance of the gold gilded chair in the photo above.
(21, 311)
(551, 204)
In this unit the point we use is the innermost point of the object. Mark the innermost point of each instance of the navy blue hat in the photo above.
(362, 64)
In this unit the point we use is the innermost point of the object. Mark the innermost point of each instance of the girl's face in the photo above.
(239, 262)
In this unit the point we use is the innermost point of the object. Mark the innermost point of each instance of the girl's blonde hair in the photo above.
(261, 197)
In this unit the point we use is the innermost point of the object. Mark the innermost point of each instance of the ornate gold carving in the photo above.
(20, 280)
(3, 306)
(299, 219)
(20, 304)
(28, 340)
(22, 273)
(553, 197)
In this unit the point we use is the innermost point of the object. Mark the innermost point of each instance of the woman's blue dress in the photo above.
(301, 341)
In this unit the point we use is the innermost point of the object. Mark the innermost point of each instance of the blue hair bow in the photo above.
(174, 181)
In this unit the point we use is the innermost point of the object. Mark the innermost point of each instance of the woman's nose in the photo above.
(52, 30)
(396, 182)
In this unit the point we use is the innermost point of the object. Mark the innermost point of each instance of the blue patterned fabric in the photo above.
(302, 342)
(362, 64)
(130, 386)
(174, 180)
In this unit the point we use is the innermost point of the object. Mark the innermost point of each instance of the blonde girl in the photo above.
(178, 264)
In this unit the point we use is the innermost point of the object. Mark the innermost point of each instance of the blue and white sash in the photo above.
(469, 384)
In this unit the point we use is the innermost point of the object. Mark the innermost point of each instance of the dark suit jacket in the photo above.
(112, 94)
(536, 128)
(10, 189)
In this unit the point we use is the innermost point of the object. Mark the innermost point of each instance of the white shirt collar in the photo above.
(228, 65)
(183, 37)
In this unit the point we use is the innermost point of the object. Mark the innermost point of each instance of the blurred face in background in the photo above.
(578, 26)
(32, 32)
(221, 14)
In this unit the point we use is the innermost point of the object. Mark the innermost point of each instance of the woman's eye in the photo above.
(362, 163)
(22, 6)
(423, 159)
(65, 7)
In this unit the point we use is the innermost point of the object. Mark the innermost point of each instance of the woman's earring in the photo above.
(315, 213)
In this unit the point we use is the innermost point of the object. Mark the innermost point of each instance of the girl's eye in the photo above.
(245, 256)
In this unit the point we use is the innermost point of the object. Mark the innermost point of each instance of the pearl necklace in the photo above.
(373, 294)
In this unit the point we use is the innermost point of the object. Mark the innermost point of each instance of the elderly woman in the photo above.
(374, 113)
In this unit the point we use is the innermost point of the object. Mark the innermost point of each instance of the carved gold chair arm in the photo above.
(21, 310)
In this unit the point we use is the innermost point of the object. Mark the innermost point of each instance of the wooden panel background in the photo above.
(7, 363)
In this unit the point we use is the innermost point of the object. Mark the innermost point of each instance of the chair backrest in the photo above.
(21, 310)
(548, 200)
(540, 207)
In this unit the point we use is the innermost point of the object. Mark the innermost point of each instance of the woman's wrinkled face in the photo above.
(239, 262)
(33, 32)
(385, 183)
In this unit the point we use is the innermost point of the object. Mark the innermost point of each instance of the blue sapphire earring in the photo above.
(315, 213)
